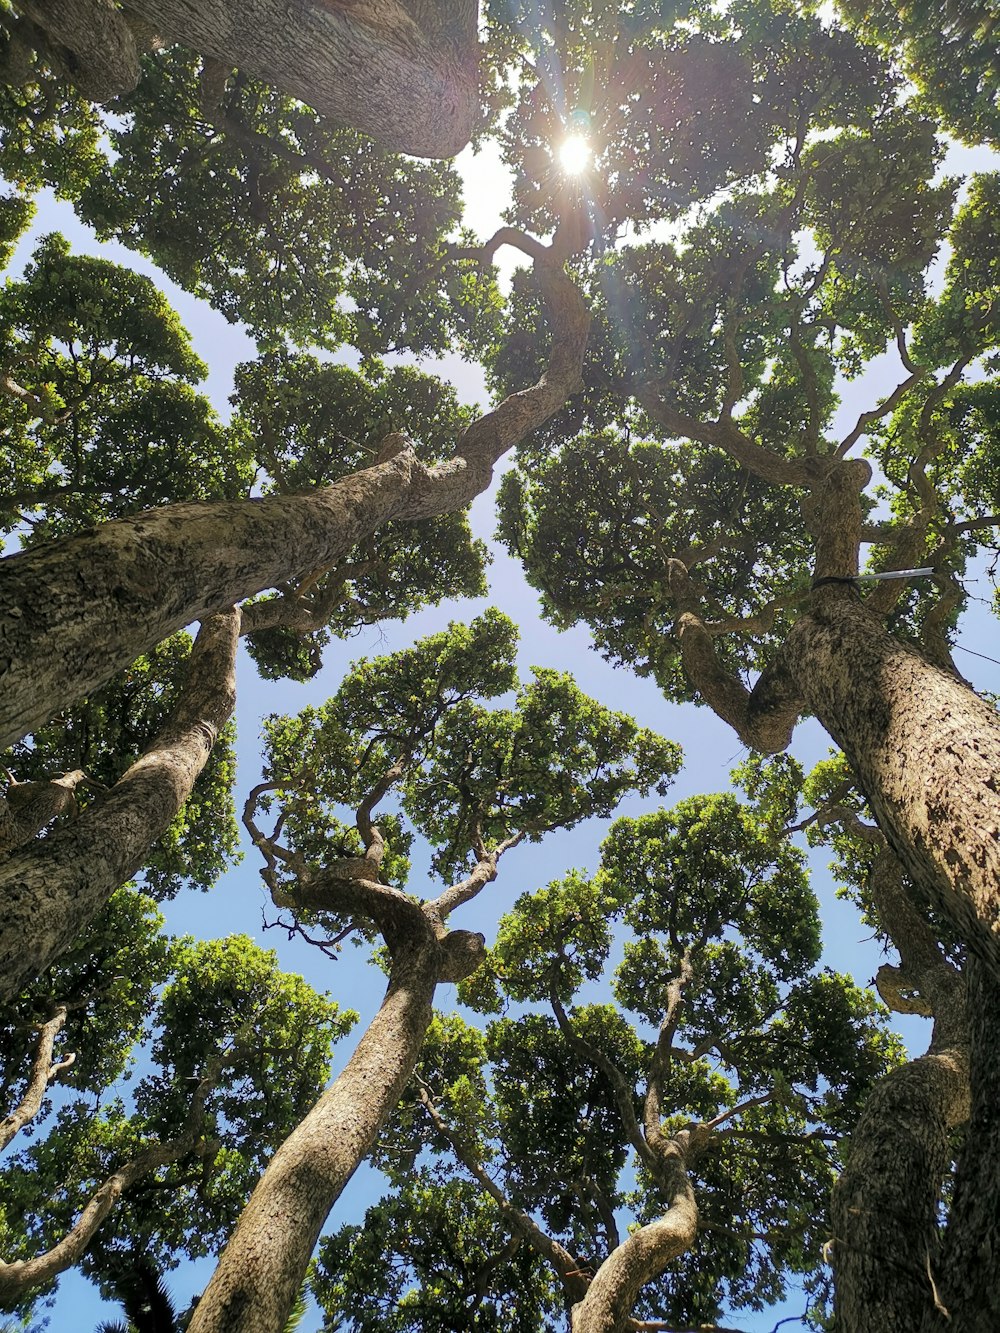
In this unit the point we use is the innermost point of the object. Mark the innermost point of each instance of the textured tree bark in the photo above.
(969, 1269)
(262, 1268)
(607, 1306)
(403, 71)
(926, 751)
(54, 888)
(29, 806)
(885, 1250)
(74, 612)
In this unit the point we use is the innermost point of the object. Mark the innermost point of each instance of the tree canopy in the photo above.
(744, 417)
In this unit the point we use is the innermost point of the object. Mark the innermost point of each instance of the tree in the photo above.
(949, 51)
(475, 782)
(239, 1050)
(97, 416)
(694, 504)
(404, 72)
(709, 1102)
(710, 380)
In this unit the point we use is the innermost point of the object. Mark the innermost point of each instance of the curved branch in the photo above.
(570, 1271)
(43, 1071)
(763, 717)
(645, 1254)
(483, 873)
(23, 1274)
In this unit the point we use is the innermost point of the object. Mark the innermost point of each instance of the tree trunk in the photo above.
(969, 1271)
(885, 1252)
(405, 73)
(926, 751)
(56, 887)
(644, 1255)
(76, 611)
(262, 1268)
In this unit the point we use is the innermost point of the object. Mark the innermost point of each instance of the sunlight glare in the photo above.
(575, 154)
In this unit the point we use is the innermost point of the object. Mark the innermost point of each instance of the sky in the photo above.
(711, 749)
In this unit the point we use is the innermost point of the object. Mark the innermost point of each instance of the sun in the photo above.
(575, 154)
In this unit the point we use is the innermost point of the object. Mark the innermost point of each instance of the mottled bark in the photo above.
(262, 1268)
(607, 1306)
(54, 888)
(926, 751)
(43, 1070)
(968, 1274)
(88, 42)
(885, 1248)
(74, 612)
(29, 807)
(886, 1204)
(403, 71)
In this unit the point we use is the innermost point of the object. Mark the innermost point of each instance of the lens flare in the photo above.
(575, 154)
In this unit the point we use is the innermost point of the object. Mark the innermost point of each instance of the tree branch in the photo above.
(43, 1071)
(764, 717)
(23, 1274)
(570, 1271)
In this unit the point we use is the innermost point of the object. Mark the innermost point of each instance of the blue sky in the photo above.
(711, 748)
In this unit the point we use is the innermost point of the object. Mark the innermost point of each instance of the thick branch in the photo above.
(91, 42)
(263, 1266)
(644, 1254)
(74, 612)
(483, 873)
(54, 888)
(763, 717)
(727, 436)
(29, 807)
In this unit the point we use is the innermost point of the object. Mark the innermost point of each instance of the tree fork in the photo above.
(76, 611)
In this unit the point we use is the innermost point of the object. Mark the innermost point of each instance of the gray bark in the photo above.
(644, 1255)
(74, 612)
(926, 751)
(885, 1206)
(403, 71)
(29, 807)
(968, 1274)
(89, 42)
(54, 888)
(264, 1264)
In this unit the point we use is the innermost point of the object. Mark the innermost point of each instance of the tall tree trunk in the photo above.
(76, 611)
(54, 888)
(886, 1255)
(926, 751)
(886, 1206)
(262, 1268)
(969, 1270)
(403, 71)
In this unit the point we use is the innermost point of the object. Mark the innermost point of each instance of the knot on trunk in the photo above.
(88, 42)
(462, 952)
